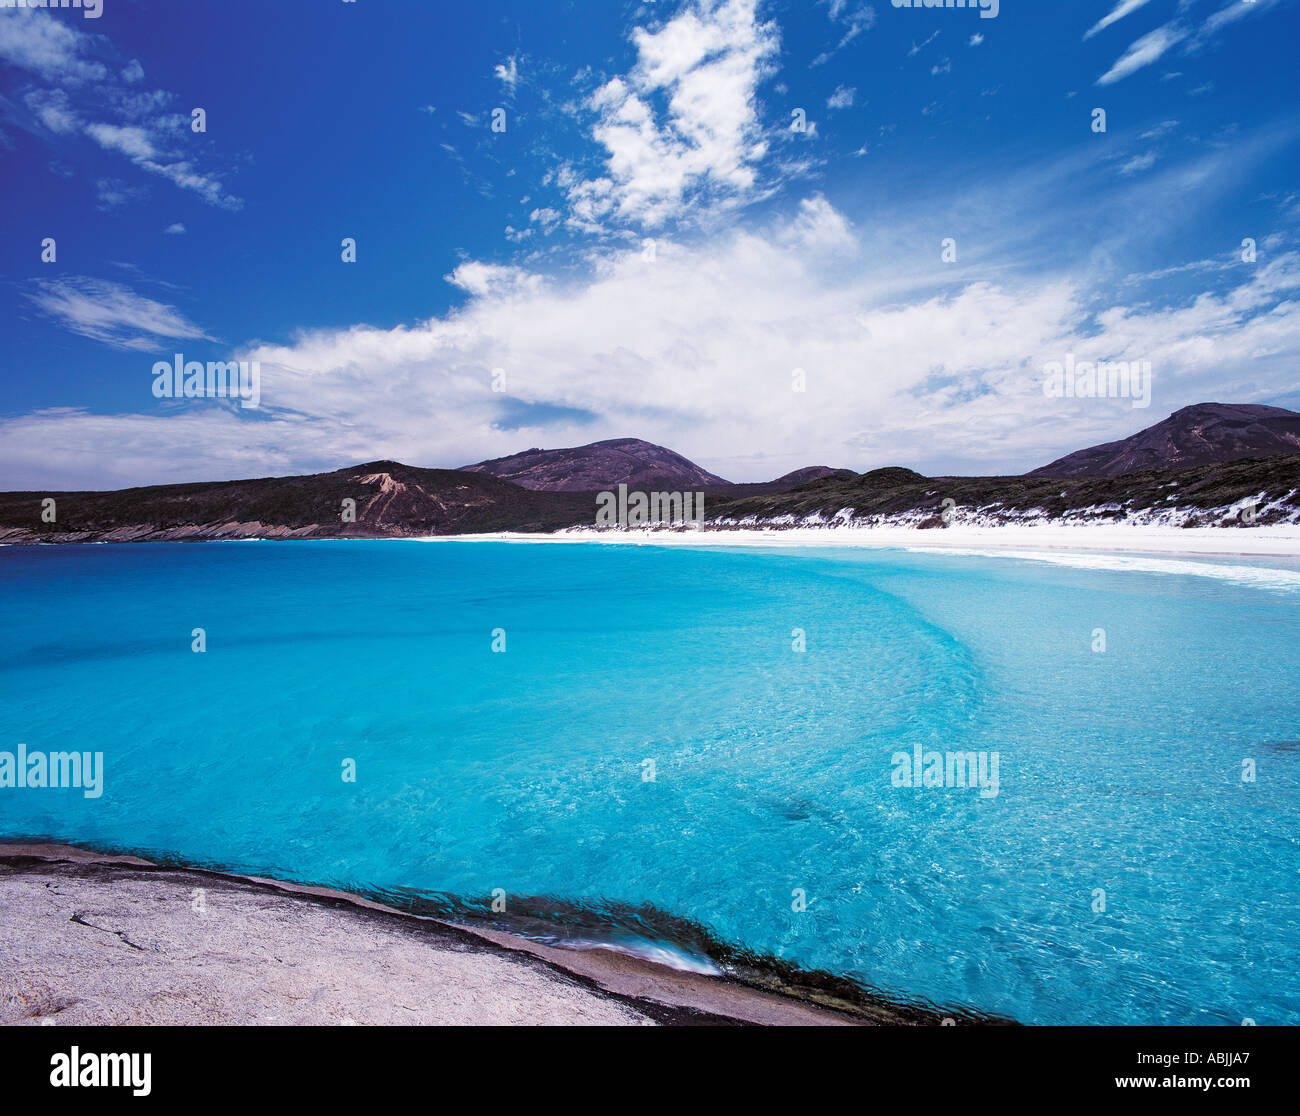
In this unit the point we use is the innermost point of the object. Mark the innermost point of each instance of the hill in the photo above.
(601, 466)
(1203, 434)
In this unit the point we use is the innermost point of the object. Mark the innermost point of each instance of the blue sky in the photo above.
(520, 259)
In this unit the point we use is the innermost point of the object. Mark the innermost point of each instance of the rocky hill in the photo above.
(1203, 434)
(601, 466)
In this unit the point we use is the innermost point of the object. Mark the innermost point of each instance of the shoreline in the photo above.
(1281, 541)
(133, 950)
(1276, 541)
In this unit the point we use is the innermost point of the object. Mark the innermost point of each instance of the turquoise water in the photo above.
(524, 771)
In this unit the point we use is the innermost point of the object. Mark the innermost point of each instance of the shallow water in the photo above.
(773, 769)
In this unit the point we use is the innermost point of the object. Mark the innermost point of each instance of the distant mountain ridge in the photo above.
(1202, 434)
(378, 499)
(599, 466)
(1250, 492)
(1213, 463)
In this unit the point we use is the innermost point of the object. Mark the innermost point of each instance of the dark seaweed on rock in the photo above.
(553, 921)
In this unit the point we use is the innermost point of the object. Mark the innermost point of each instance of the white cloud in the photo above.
(705, 63)
(175, 230)
(495, 280)
(1163, 128)
(695, 349)
(918, 47)
(111, 193)
(1123, 8)
(1231, 12)
(183, 174)
(35, 41)
(976, 39)
(113, 451)
(138, 145)
(1154, 45)
(132, 142)
(854, 19)
(508, 72)
(546, 217)
(143, 131)
(817, 227)
(1143, 52)
(842, 98)
(53, 108)
(1139, 163)
(112, 313)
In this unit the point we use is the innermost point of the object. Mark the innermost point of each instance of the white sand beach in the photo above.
(1282, 541)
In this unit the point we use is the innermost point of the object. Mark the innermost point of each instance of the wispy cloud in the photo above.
(853, 18)
(507, 72)
(918, 47)
(112, 313)
(1178, 32)
(132, 142)
(1161, 129)
(1122, 9)
(53, 108)
(1143, 52)
(140, 126)
(1231, 12)
(113, 193)
(842, 98)
(1139, 163)
(40, 44)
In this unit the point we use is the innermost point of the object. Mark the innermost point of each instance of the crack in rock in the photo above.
(120, 934)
